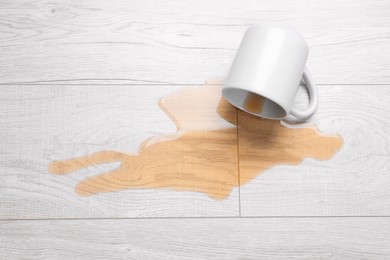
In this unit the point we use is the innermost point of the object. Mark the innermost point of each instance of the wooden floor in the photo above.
(99, 81)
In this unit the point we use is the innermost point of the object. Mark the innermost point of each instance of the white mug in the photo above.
(267, 69)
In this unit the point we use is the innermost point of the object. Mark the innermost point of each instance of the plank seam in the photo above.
(220, 217)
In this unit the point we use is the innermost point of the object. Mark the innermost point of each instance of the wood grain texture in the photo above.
(354, 182)
(187, 42)
(264, 144)
(41, 124)
(295, 238)
(212, 143)
(46, 123)
(159, 44)
(200, 156)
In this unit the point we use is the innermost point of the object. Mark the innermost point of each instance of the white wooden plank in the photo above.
(354, 182)
(174, 41)
(45, 123)
(279, 238)
(40, 124)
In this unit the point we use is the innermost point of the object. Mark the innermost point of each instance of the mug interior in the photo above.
(254, 104)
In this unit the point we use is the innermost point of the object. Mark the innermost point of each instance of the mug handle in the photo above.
(313, 98)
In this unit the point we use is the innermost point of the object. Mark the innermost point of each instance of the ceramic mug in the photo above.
(267, 69)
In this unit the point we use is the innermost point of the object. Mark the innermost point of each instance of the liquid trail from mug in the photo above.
(208, 153)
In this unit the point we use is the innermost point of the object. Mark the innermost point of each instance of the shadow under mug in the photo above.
(264, 77)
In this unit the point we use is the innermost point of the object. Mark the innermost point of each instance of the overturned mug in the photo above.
(267, 69)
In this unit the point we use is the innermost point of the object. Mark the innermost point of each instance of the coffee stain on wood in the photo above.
(203, 155)
(265, 143)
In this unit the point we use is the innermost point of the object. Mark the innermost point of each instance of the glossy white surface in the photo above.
(269, 63)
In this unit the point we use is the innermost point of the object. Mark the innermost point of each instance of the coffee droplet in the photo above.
(202, 156)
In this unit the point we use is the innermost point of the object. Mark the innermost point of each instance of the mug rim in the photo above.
(239, 106)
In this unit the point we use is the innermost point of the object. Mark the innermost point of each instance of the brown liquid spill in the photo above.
(253, 103)
(202, 156)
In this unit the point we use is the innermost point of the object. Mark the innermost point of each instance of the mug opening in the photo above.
(254, 103)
